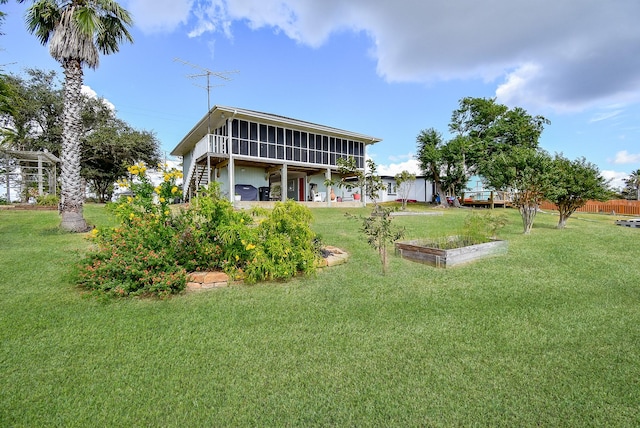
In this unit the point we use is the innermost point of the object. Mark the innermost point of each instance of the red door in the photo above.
(301, 188)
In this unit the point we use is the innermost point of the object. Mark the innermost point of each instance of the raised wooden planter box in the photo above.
(418, 251)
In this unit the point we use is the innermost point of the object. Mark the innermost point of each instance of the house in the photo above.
(422, 190)
(258, 156)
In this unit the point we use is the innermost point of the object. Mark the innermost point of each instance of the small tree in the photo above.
(404, 182)
(574, 183)
(528, 172)
(381, 233)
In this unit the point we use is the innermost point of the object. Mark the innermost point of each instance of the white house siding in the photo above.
(421, 191)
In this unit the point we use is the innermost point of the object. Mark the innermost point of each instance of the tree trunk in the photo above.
(71, 193)
(563, 221)
(528, 213)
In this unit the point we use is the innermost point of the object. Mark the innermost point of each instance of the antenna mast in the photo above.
(205, 72)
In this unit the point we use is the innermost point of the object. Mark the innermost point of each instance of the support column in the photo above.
(284, 185)
(327, 176)
(40, 185)
(232, 165)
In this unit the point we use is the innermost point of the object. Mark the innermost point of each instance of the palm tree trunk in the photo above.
(72, 194)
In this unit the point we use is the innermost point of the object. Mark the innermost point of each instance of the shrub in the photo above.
(483, 227)
(48, 200)
(152, 250)
(285, 244)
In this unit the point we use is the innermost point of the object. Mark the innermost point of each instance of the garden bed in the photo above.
(450, 252)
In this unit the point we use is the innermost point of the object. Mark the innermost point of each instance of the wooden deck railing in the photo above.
(618, 206)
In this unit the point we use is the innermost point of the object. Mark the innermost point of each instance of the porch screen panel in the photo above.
(264, 152)
(332, 151)
(280, 143)
(296, 146)
(235, 133)
(289, 144)
(272, 142)
(325, 150)
(244, 137)
(253, 139)
(303, 146)
(312, 148)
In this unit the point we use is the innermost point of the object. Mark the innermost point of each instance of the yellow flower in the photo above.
(237, 257)
(174, 189)
(167, 212)
(129, 199)
(162, 200)
(132, 216)
(157, 189)
(250, 247)
(133, 169)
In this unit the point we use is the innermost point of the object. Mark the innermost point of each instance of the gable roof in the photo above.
(219, 114)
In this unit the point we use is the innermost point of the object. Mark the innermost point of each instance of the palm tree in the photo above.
(77, 32)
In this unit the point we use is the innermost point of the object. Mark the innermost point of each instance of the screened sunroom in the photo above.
(259, 156)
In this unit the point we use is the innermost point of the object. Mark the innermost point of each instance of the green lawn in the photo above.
(547, 335)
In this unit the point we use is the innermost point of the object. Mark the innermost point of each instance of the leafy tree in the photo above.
(404, 182)
(3, 15)
(574, 184)
(35, 119)
(474, 125)
(489, 129)
(456, 171)
(431, 159)
(77, 32)
(528, 173)
(107, 151)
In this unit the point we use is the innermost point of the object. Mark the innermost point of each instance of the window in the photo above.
(391, 188)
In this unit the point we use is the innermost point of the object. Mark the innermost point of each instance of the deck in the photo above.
(487, 198)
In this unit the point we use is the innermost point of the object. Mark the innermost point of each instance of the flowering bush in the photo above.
(152, 250)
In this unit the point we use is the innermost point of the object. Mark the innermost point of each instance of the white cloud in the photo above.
(623, 157)
(567, 55)
(616, 178)
(88, 91)
(396, 168)
(605, 115)
(153, 16)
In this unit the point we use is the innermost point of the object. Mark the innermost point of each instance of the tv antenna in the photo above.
(205, 72)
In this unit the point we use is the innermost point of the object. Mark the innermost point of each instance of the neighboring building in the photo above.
(422, 190)
(262, 156)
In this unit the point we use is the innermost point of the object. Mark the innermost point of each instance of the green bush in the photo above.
(48, 200)
(484, 226)
(152, 250)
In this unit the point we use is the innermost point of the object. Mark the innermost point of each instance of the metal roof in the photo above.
(219, 114)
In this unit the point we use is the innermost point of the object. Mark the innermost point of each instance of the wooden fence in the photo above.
(618, 206)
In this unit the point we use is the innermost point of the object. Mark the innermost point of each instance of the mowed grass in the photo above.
(546, 335)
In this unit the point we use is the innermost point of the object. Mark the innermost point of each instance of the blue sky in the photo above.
(386, 69)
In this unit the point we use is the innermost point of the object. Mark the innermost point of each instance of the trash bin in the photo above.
(263, 193)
